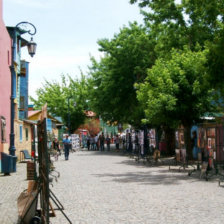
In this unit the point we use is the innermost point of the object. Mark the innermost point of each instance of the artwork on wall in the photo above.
(201, 137)
(209, 143)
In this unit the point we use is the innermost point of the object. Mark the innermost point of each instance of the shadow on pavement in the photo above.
(160, 176)
(149, 178)
(99, 153)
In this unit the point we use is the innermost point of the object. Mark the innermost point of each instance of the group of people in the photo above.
(96, 143)
(66, 146)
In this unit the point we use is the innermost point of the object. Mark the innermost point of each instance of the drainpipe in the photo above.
(12, 148)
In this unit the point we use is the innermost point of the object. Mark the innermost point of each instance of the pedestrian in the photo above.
(96, 146)
(102, 139)
(56, 148)
(129, 143)
(108, 142)
(92, 142)
(117, 141)
(88, 142)
(67, 145)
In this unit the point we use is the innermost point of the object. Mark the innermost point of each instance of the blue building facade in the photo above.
(23, 93)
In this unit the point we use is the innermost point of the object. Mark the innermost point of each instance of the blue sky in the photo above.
(67, 32)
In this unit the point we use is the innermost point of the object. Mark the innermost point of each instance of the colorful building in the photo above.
(5, 85)
(14, 75)
(53, 124)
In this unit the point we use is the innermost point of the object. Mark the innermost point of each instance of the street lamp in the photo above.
(22, 28)
(69, 115)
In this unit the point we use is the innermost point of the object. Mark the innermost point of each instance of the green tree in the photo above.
(176, 91)
(174, 24)
(67, 99)
(188, 22)
(126, 57)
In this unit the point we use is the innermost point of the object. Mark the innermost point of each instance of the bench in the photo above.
(24, 155)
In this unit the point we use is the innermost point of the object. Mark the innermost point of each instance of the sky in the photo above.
(67, 33)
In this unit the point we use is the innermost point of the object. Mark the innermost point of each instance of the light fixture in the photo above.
(32, 47)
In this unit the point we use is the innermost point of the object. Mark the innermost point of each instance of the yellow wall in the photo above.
(25, 143)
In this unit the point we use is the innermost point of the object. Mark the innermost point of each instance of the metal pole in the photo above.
(12, 148)
(68, 116)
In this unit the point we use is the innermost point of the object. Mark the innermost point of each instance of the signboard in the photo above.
(75, 141)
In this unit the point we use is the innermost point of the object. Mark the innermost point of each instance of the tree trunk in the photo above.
(170, 140)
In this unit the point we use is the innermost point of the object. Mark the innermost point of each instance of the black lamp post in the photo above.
(69, 115)
(22, 28)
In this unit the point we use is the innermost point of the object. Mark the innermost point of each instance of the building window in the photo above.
(27, 134)
(22, 102)
(20, 133)
(49, 125)
(3, 129)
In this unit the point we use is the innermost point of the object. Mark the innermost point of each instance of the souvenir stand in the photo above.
(139, 153)
(154, 151)
(152, 140)
(181, 154)
(133, 143)
(75, 142)
(211, 144)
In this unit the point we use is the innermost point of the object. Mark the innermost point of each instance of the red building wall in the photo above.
(5, 78)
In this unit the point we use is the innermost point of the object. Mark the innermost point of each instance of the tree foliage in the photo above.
(176, 90)
(126, 58)
(188, 22)
(67, 99)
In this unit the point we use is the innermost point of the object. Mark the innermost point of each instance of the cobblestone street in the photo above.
(109, 188)
(97, 188)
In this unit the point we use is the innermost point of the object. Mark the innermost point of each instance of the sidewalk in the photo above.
(11, 187)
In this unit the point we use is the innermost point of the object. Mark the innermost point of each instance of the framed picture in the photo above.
(201, 137)
(211, 132)
(182, 138)
(209, 143)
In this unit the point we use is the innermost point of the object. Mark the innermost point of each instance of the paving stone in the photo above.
(109, 188)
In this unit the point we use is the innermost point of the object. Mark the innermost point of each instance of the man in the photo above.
(56, 148)
(102, 139)
(67, 144)
(108, 143)
(96, 143)
(117, 141)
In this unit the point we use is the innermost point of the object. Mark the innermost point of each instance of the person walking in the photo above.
(67, 145)
(102, 139)
(56, 148)
(92, 142)
(88, 142)
(117, 141)
(96, 143)
(108, 142)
